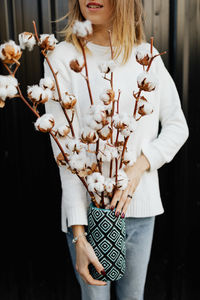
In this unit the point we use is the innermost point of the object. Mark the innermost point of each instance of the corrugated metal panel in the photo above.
(157, 24)
(4, 20)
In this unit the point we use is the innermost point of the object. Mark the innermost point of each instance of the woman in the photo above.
(140, 202)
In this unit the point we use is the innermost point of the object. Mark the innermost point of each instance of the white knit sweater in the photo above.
(159, 149)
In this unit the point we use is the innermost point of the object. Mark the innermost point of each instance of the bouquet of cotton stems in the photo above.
(106, 128)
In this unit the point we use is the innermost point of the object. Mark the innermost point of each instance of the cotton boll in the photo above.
(105, 133)
(107, 152)
(10, 52)
(37, 94)
(3, 80)
(89, 136)
(11, 80)
(48, 41)
(45, 123)
(104, 97)
(107, 96)
(109, 185)
(95, 177)
(96, 117)
(91, 123)
(27, 40)
(96, 182)
(77, 161)
(98, 113)
(130, 128)
(8, 80)
(74, 145)
(122, 180)
(47, 94)
(34, 92)
(107, 66)
(143, 54)
(7, 88)
(147, 82)
(11, 91)
(108, 110)
(68, 101)
(82, 29)
(3, 93)
(145, 108)
(47, 82)
(125, 123)
(99, 187)
(63, 130)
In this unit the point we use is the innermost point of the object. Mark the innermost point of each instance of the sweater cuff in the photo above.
(77, 216)
(153, 155)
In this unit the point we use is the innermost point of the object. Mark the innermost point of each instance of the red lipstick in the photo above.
(94, 6)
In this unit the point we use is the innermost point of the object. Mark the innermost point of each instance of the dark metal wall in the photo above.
(35, 262)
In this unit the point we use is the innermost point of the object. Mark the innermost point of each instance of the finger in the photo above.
(115, 198)
(121, 203)
(98, 266)
(90, 280)
(126, 204)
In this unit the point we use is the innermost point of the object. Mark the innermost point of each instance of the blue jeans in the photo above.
(139, 234)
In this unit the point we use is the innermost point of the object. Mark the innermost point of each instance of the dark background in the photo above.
(35, 263)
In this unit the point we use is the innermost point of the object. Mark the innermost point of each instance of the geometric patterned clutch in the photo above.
(106, 234)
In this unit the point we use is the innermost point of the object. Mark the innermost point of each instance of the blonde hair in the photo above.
(127, 26)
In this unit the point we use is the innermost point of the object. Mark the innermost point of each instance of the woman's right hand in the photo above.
(84, 256)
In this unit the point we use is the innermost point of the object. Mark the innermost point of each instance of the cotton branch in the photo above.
(56, 81)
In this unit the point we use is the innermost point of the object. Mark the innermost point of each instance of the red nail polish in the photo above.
(117, 214)
(112, 207)
(103, 272)
(123, 215)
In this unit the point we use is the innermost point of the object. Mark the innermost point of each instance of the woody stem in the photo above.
(86, 71)
(151, 60)
(136, 102)
(152, 38)
(36, 33)
(123, 151)
(112, 56)
(97, 151)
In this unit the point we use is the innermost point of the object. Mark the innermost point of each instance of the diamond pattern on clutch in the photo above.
(113, 254)
(114, 274)
(106, 225)
(106, 234)
(113, 235)
(98, 253)
(97, 235)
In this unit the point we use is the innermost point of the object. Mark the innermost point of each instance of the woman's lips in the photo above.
(94, 6)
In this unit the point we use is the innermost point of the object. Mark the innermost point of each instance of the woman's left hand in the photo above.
(134, 174)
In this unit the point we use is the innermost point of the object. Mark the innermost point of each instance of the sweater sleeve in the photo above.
(73, 192)
(174, 130)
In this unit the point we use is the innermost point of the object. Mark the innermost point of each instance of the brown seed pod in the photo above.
(75, 66)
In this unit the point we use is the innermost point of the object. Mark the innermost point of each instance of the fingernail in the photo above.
(103, 272)
(112, 207)
(122, 215)
(117, 214)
